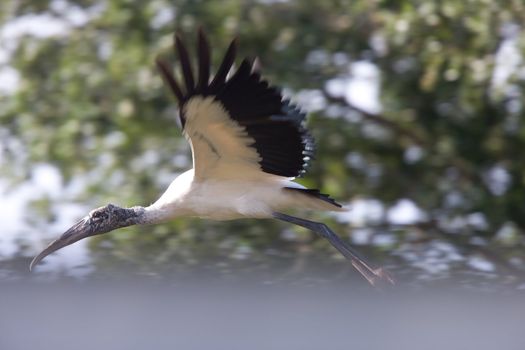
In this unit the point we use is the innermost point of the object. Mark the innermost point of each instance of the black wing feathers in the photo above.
(186, 65)
(204, 61)
(227, 62)
(168, 77)
(276, 126)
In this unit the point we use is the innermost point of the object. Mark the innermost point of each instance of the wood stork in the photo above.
(248, 144)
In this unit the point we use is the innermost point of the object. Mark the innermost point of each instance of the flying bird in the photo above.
(248, 144)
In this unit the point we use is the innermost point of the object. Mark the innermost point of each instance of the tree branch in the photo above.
(378, 119)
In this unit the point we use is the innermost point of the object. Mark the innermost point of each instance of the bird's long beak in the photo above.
(80, 230)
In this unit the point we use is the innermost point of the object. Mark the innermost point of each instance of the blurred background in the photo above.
(416, 107)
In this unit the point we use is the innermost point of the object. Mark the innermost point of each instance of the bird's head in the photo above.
(98, 221)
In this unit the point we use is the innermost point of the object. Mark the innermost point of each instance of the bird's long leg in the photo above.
(372, 275)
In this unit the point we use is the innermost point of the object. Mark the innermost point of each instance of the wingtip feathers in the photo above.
(204, 54)
(184, 58)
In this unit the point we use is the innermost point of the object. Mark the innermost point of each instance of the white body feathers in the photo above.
(231, 199)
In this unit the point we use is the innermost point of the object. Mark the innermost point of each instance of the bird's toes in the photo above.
(384, 275)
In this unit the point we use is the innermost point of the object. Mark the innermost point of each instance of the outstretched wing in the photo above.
(237, 126)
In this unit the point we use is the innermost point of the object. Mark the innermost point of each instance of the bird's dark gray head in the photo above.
(98, 221)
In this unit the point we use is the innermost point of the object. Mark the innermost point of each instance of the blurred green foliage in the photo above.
(450, 135)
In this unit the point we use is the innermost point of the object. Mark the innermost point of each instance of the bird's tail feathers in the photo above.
(316, 200)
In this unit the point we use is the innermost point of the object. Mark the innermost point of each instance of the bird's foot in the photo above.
(376, 277)
(382, 276)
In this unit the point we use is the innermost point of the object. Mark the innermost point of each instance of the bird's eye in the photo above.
(98, 215)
